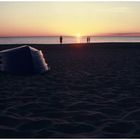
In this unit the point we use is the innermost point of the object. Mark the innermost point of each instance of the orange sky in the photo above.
(69, 18)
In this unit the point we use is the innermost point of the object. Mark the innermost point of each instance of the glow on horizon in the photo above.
(78, 35)
(69, 18)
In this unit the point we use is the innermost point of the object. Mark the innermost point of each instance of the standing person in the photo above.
(61, 39)
(88, 39)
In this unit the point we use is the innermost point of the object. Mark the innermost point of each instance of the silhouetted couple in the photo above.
(88, 39)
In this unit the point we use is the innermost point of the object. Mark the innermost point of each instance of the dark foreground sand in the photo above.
(91, 91)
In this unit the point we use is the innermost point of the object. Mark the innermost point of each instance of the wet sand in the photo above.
(91, 91)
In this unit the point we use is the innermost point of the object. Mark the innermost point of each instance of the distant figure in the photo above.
(88, 39)
(61, 39)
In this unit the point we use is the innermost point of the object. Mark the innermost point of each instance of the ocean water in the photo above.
(66, 40)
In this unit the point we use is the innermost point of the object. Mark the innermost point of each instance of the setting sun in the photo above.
(78, 35)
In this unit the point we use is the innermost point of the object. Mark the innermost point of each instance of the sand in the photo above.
(91, 91)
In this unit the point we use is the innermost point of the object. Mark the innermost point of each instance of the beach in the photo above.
(91, 91)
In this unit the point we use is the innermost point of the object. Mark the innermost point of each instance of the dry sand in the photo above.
(91, 91)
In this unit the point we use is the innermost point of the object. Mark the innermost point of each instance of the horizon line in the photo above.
(127, 34)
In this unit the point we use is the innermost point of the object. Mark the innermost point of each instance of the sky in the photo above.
(69, 18)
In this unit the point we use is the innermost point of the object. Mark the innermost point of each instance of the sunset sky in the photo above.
(69, 18)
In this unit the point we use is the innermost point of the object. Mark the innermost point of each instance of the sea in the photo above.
(66, 39)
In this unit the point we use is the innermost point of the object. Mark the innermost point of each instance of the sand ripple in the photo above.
(89, 93)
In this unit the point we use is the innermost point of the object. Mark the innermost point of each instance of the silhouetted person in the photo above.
(61, 39)
(88, 39)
